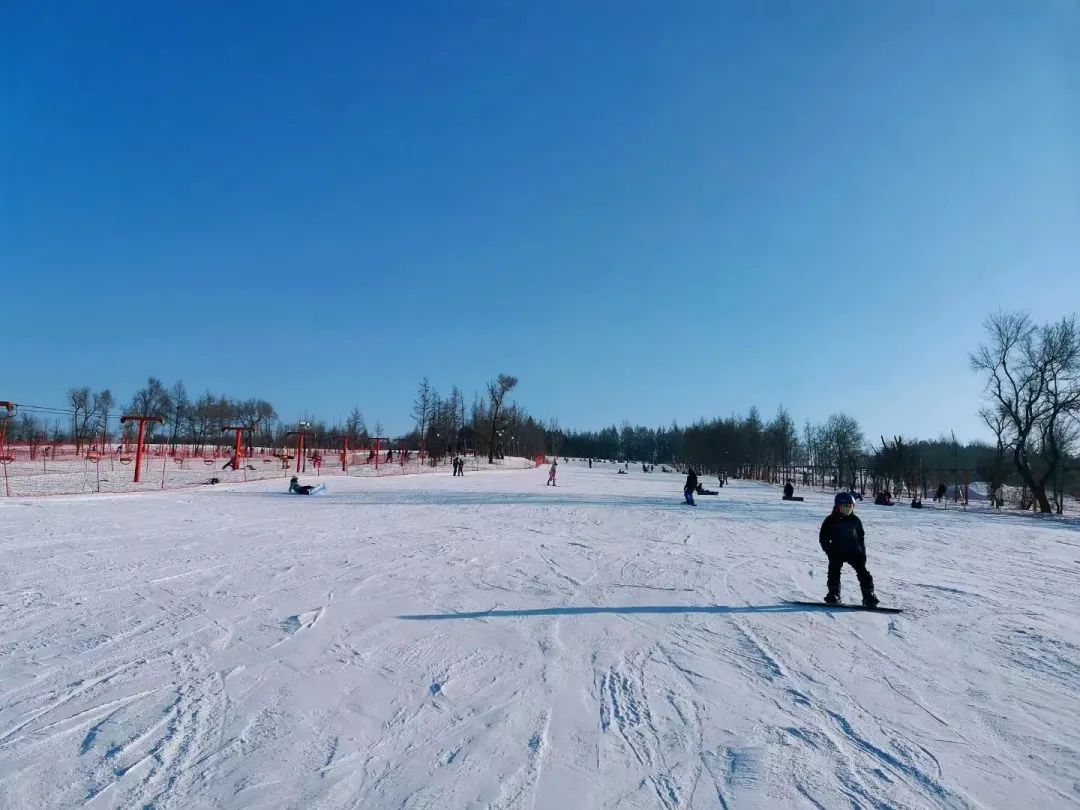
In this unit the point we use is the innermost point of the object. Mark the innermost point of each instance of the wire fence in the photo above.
(54, 469)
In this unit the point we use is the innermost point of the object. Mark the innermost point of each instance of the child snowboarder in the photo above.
(551, 473)
(690, 487)
(842, 538)
(296, 489)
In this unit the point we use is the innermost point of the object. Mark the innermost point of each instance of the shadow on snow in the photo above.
(629, 609)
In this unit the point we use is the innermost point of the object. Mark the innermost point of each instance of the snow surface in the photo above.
(486, 641)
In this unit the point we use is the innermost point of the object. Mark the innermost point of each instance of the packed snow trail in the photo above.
(485, 641)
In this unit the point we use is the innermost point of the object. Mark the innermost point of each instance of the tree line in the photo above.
(1032, 376)
(492, 425)
(1031, 371)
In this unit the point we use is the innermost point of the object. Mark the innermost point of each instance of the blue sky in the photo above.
(646, 211)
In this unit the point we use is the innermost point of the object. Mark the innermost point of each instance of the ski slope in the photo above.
(486, 641)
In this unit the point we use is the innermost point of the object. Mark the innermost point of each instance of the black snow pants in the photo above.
(856, 560)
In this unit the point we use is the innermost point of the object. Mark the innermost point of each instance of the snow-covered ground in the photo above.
(486, 641)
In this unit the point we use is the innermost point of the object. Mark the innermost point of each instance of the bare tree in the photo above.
(497, 390)
(455, 417)
(151, 400)
(180, 405)
(80, 414)
(1059, 441)
(998, 421)
(782, 439)
(1033, 377)
(200, 420)
(103, 402)
(253, 414)
(843, 439)
(422, 406)
(354, 425)
(29, 430)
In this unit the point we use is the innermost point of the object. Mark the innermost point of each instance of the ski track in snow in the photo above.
(441, 642)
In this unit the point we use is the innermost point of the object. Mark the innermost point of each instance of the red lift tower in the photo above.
(142, 420)
(9, 408)
(378, 440)
(299, 445)
(239, 452)
(5, 459)
(345, 450)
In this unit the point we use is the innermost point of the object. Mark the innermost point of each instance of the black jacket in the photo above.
(691, 481)
(842, 535)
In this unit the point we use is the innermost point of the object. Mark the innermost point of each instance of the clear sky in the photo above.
(644, 210)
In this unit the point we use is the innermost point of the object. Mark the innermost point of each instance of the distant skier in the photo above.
(296, 489)
(690, 486)
(842, 538)
(551, 473)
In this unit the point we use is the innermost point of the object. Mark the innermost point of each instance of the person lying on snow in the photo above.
(700, 490)
(296, 489)
(843, 540)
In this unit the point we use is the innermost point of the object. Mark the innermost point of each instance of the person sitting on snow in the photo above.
(297, 489)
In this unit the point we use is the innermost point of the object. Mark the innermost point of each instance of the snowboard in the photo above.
(852, 606)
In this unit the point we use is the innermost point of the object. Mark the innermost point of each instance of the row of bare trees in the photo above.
(1031, 370)
(91, 417)
(493, 425)
(89, 414)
